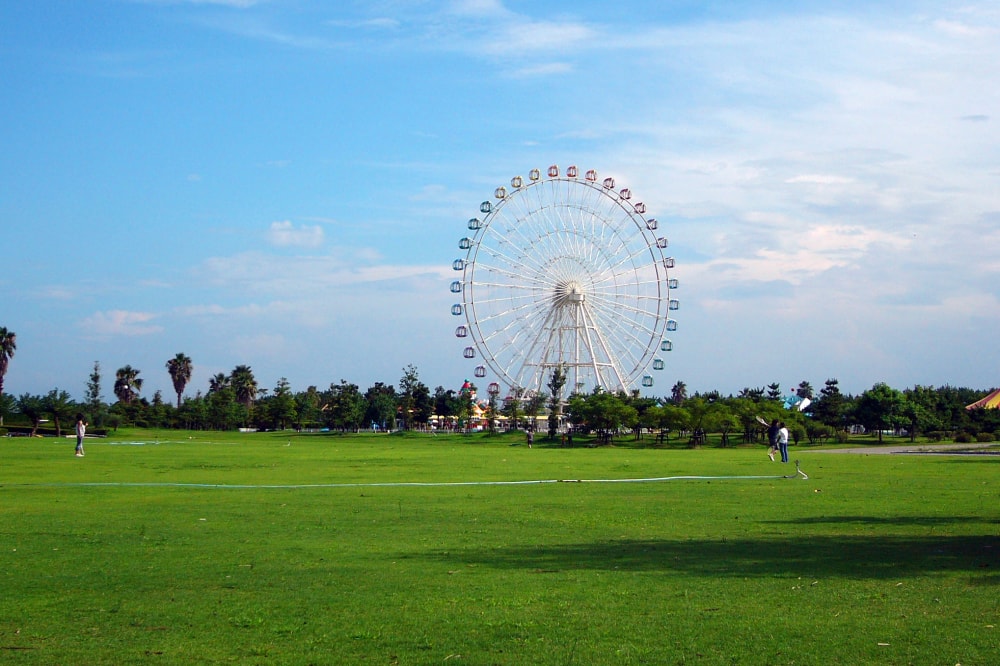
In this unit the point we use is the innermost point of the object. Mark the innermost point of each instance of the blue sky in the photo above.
(282, 183)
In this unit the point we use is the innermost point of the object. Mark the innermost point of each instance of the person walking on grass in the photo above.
(783, 441)
(81, 430)
(772, 439)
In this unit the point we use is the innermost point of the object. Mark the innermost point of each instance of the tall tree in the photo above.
(754, 394)
(679, 393)
(8, 343)
(127, 384)
(307, 404)
(879, 408)
(180, 368)
(32, 407)
(774, 392)
(408, 385)
(60, 406)
(533, 404)
(218, 382)
(830, 406)
(345, 406)
(444, 402)
(92, 397)
(381, 404)
(244, 385)
(423, 404)
(805, 390)
(7, 406)
(512, 406)
(282, 405)
(557, 381)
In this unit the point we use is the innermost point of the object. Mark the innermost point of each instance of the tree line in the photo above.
(235, 400)
(933, 412)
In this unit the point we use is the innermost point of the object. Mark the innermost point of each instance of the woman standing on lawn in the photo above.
(81, 430)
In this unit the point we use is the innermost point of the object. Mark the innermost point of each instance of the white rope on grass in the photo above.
(398, 484)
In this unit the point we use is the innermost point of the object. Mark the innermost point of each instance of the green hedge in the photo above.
(50, 431)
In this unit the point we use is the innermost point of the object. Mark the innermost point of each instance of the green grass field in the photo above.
(201, 548)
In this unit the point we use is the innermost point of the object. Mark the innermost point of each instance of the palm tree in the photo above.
(218, 382)
(179, 368)
(244, 385)
(678, 394)
(8, 343)
(61, 406)
(33, 407)
(127, 384)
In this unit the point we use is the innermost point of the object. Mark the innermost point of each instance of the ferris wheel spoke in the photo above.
(596, 342)
(622, 312)
(519, 261)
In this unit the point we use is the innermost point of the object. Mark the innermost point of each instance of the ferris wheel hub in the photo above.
(569, 293)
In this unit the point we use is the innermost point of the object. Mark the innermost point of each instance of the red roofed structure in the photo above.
(992, 401)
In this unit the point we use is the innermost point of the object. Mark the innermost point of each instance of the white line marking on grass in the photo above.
(395, 484)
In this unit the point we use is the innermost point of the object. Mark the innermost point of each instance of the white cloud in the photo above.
(820, 179)
(120, 323)
(284, 234)
(542, 69)
(526, 37)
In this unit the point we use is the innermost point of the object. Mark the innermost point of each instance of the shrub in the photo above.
(842, 436)
(935, 435)
(963, 438)
(984, 437)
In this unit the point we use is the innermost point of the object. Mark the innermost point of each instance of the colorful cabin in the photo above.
(485, 207)
(666, 346)
(658, 364)
(516, 182)
(500, 192)
(671, 324)
(571, 172)
(652, 224)
(480, 371)
(469, 352)
(456, 287)
(456, 309)
(674, 304)
(647, 381)
(591, 175)
(534, 174)
(462, 332)
(458, 265)
(465, 243)
(553, 171)
(475, 224)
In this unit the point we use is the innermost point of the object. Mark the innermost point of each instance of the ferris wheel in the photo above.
(564, 271)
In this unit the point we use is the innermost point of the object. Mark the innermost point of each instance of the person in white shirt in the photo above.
(81, 430)
(783, 441)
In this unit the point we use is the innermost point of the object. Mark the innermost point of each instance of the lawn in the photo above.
(297, 549)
